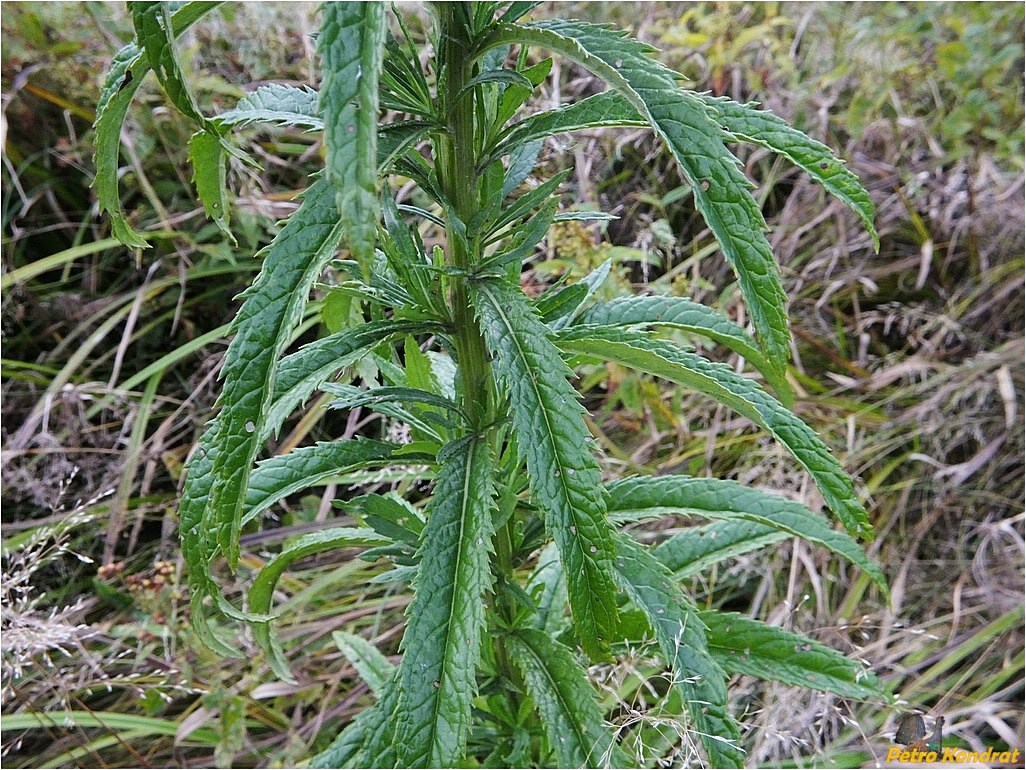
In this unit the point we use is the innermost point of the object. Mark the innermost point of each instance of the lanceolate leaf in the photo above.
(552, 437)
(373, 667)
(565, 700)
(352, 44)
(279, 104)
(606, 109)
(282, 475)
(699, 548)
(302, 372)
(154, 33)
(273, 306)
(442, 643)
(690, 316)
(746, 646)
(682, 639)
(123, 80)
(723, 499)
(748, 124)
(718, 381)
(263, 587)
(722, 193)
(210, 165)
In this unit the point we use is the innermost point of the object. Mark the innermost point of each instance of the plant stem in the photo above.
(459, 182)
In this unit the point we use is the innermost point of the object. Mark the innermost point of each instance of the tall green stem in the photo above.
(456, 170)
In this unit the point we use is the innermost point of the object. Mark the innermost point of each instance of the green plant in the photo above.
(448, 344)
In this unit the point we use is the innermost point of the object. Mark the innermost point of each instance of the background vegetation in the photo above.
(909, 363)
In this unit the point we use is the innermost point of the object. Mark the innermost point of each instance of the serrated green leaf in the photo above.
(352, 397)
(561, 309)
(548, 586)
(390, 515)
(747, 646)
(352, 45)
(524, 238)
(564, 698)
(154, 34)
(522, 160)
(262, 590)
(127, 71)
(722, 193)
(302, 372)
(693, 317)
(210, 165)
(682, 639)
(728, 500)
(699, 548)
(442, 643)
(553, 439)
(279, 104)
(282, 475)
(603, 110)
(755, 126)
(373, 667)
(273, 306)
(720, 382)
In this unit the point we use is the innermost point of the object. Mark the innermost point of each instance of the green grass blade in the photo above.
(682, 639)
(106, 720)
(260, 593)
(552, 437)
(52, 262)
(442, 643)
(746, 646)
(352, 45)
(721, 383)
(564, 698)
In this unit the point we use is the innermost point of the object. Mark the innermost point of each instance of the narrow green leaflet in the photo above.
(281, 475)
(373, 667)
(352, 45)
(279, 104)
(262, 590)
(693, 317)
(153, 30)
(564, 698)
(210, 166)
(663, 359)
(722, 193)
(729, 500)
(700, 548)
(682, 640)
(748, 124)
(442, 643)
(123, 80)
(207, 150)
(301, 373)
(272, 308)
(602, 110)
(552, 437)
(746, 646)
